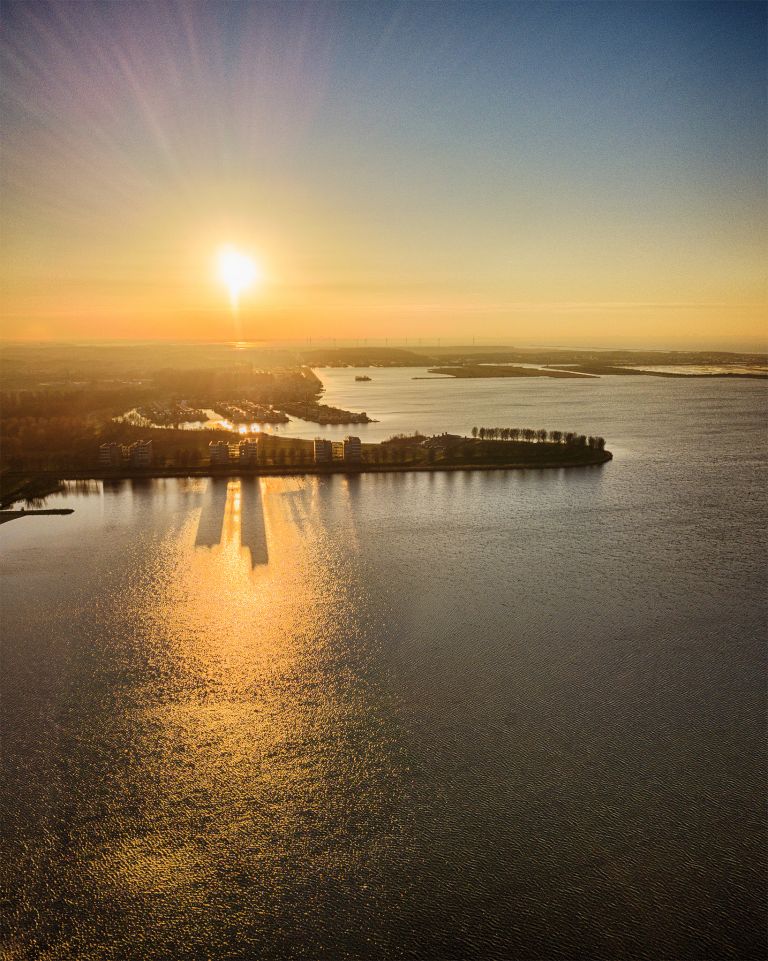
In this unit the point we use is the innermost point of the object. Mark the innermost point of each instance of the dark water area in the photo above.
(482, 715)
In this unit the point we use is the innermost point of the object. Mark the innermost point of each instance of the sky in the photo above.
(524, 173)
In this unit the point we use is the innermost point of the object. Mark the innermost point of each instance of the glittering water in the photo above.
(472, 715)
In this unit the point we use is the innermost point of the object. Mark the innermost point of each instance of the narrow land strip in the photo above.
(48, 483)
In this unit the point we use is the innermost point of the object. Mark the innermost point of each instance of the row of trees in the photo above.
(46, 443)
(540, 436)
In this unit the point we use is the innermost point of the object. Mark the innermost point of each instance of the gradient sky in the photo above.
(529, 173)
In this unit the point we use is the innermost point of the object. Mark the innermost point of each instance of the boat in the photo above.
(363, 377)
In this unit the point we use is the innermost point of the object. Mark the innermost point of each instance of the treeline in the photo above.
(76, 401)
(203, 387)
(540, 436)
(47, 443)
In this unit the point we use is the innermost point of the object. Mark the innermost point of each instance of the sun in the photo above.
(237, 271)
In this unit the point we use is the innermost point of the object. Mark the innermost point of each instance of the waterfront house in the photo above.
(442, 441)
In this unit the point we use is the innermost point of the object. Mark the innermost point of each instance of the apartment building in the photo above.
(323, 451)
(248, 451)
(140, 453)
(353, 450)
(111, 455)
(218, 452)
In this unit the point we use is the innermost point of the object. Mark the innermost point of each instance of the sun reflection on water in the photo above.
(260, 738)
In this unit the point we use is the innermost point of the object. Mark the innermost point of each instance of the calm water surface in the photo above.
(472, 715)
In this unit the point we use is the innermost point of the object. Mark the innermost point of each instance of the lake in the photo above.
(472, 715)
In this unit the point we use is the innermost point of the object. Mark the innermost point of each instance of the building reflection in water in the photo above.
(233, 515)
(253, 534)
(211, 524)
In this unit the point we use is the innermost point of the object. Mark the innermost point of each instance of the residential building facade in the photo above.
(111, 455)
(323, 451)
(218, 452)
(353, 450)
(248, 452)
(140, 453)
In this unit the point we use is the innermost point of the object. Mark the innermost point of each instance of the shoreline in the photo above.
(7, 515)
(597, 459)
(32, 488)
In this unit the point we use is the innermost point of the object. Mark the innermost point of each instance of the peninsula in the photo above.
(489, 448)
(505, 370)
(6, 516)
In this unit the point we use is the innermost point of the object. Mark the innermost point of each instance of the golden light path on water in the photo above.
(243, 749)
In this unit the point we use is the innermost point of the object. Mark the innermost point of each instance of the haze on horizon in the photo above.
(548, 173)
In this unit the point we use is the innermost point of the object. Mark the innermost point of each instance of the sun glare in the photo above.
(237, 271)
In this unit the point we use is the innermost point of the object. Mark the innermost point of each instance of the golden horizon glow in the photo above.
(586, 192)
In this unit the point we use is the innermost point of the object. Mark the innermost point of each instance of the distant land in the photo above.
(31, 365)
(473, 361)
(470, 362)
(509, 370)
(60, 402)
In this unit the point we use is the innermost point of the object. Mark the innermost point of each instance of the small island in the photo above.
(323, 414)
